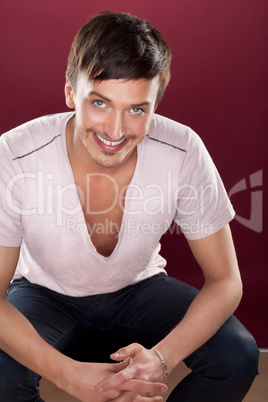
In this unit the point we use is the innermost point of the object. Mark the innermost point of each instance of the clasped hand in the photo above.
(139, 380)
(136, 376)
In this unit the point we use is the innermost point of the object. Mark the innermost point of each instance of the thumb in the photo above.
(129, 351)
(122, 365)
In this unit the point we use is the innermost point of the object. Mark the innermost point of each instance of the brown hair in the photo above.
(119, 46)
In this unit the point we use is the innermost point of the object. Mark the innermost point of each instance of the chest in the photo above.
(102, 200)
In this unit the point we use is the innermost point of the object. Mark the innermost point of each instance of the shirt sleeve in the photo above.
(203, 206)
(11, 232)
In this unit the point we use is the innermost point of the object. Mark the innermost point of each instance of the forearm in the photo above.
(19, 339)
(214, 304)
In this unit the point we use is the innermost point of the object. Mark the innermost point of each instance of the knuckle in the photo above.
(126, 375)
(136, 345)
(111, 395)
(146, 377)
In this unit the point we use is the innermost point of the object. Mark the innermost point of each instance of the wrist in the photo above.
(65, 373)
(163, 362)
(171, 357)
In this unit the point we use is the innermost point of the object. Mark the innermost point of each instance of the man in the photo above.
(85, 199)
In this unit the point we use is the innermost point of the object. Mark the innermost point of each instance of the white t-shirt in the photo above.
(174, 180)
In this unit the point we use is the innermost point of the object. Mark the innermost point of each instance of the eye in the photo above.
(137, 110)
(99, 103)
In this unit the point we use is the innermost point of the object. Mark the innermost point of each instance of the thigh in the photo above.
(47, 311)
(153, 308)
(225, 352)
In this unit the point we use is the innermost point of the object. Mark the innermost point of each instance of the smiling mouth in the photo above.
(109, 143)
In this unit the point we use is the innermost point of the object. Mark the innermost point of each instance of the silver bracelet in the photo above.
(163, 362)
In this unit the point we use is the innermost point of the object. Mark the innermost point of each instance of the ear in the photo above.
(69, 94)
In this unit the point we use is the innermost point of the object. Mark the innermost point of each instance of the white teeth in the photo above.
(111, 143)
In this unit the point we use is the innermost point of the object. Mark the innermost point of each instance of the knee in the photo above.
(17, 383)
(227, 363)
(243, 361)
(238, 361)
(245, 357)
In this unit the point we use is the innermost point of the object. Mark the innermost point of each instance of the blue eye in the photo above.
(137, 110)
(99, 103)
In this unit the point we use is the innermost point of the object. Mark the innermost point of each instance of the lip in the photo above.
(109, 148)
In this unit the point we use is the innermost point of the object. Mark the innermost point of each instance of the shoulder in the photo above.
(33, 135)
(172, 134)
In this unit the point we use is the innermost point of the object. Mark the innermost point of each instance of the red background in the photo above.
(218, 87)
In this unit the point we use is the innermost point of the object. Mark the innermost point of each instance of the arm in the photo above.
(17, 336)
(214, 304)
(19, 339)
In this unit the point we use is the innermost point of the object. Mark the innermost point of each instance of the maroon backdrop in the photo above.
(218, 88)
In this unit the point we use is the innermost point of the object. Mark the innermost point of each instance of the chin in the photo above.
(107, 162)
(108, 165)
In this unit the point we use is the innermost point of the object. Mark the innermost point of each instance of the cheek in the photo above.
(141, 127)
(89, 117)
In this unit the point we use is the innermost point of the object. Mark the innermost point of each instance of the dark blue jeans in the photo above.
(222, 370)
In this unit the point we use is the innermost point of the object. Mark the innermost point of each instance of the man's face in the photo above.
(112, 116)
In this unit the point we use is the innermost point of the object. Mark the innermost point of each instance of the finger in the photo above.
(116, 380)
(126, 397)
(117, 367)
(132, 396)
(144, 387)
(149, 399)
(128, 351)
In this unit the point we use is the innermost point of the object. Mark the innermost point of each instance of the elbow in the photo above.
(237, 291)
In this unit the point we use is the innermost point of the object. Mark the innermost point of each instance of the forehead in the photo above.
(131, 91)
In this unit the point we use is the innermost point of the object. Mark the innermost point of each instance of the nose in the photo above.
(115, 126)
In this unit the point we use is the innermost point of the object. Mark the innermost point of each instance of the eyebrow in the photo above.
(146, 103)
